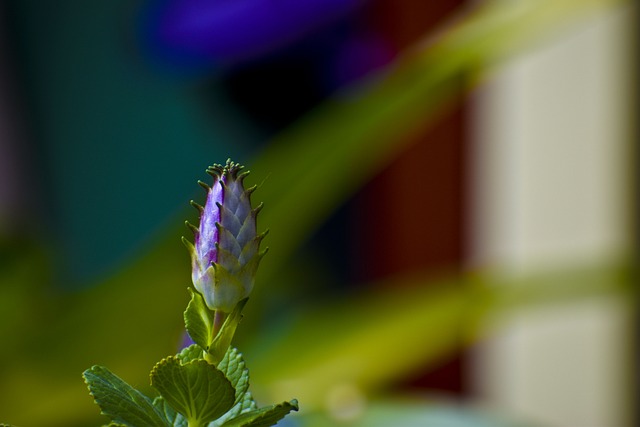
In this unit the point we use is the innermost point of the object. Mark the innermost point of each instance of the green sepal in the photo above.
(118, 400)
(198, 320)
(222, 341)
(229, 287)
(196, 389)
(263, 417)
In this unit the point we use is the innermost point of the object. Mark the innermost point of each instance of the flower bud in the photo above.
(226, 253)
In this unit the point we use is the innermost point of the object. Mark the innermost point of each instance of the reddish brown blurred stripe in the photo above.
(411, 216)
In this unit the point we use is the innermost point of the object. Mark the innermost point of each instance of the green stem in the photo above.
(211, 359)
(218, 321)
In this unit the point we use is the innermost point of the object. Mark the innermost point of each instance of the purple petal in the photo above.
(208, 236)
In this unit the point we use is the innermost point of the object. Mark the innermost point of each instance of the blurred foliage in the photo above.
(116, 323)
(362, 129)
(415, 412)
(383, 336)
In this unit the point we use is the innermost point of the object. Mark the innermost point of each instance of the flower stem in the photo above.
(218, 321)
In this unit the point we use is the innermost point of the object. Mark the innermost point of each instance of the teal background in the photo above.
(120, 140)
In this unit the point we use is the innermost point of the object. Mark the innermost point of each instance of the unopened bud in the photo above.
(226, 252)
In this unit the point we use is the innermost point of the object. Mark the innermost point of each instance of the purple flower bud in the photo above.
(226, 253)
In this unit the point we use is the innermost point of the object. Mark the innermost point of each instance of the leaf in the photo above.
(245, 405)
(188, 354)
(196, 389)
(235, 370)
(263, 417)
(198, 320)
(121, 402)
(174, 418)
(222, 341)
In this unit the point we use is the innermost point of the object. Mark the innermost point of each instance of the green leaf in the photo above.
(121, 402)
(174, 418)
(245, 405)
(222, 341)
(263, 417)
(235, 370)
(196, 389)
(188, 354)
(198, 320)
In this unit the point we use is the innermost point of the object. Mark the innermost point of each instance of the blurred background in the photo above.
(450, 189)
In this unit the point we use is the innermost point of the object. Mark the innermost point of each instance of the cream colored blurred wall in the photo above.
(551, 184)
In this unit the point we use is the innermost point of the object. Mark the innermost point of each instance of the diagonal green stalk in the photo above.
(424, 83)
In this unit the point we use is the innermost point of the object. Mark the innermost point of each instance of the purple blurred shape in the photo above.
(231, 31)
(185, 341)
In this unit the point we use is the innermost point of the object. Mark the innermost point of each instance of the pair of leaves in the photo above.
(193, 392)
(199, 322)
(234, 369)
